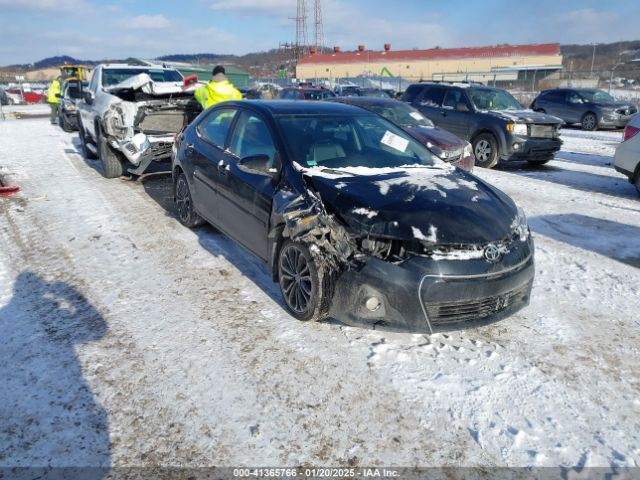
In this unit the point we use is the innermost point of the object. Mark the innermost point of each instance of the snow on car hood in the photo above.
(436, 205)
(144, 83)
(525, 116)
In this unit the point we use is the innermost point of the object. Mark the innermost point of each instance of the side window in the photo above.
(573, 97)
(433, 97)
(452, 98)
(554, 97)
(412, 92)
(215, 126)
(250, 137)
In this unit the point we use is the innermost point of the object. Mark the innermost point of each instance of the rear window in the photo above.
(433, 97)
(317, 94)
(113, 76)
(412, 92)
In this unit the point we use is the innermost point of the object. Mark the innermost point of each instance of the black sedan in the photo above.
(445, 145)
(356, 219)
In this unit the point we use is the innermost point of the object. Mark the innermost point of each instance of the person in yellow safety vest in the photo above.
(53, 97)
(219, 89)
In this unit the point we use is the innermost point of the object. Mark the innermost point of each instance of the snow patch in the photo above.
(364, 212)
(431, 238)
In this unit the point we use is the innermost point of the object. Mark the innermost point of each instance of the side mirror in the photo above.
(88, 97)
(257, 164)
(461, 107)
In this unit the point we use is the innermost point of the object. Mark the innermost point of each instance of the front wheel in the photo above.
(306, 287)
(184, 204)
(589, 122)
(62, 120)
(637, 184)
(111, 163)
(485, 149)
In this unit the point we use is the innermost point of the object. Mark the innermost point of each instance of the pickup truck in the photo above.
(129, 115)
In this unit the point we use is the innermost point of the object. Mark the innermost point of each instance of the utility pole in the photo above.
(593, 58)
(318, 29)
(302, 41)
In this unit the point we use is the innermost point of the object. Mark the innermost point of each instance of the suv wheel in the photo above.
(109, 158)
(589, 121)
(64, 124)
(637, 184)
(485, 149)
(88, 154)
(184, 204)
(306, 286)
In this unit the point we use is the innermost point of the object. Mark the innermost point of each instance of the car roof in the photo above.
(298, 107)
(126, 66)
(366, 101)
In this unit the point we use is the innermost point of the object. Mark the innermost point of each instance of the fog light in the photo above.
(516, 146)
(372, 303)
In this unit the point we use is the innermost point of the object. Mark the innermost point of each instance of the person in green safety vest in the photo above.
(54, 92)
(219, 89)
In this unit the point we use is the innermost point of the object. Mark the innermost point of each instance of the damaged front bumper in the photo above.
(425, 295)
(143, 148)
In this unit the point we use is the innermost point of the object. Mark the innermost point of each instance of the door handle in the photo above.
(188, 148)
(223, 167)
(443, 113)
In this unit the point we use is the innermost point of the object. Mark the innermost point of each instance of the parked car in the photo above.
(29, 97)
(129, 115)
(68, 111)
(305, 93)
(445, 145)
(356, 219)
(627, 156)
(491, 119)
(364, 92)
(590, 108)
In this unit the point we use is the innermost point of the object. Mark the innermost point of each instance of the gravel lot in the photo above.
(130, 340)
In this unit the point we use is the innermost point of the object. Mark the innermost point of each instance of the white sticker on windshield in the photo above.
(394, 141)
(416, 115)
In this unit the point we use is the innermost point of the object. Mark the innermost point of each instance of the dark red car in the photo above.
(447, 146)
(29, 97)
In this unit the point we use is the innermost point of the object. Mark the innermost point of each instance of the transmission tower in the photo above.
(318, 31)
(302, 41)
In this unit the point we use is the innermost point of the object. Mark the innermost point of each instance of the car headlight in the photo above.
(520, 225)
(517, 128)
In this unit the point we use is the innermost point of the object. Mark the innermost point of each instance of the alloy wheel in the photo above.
(183, 199)
(483, 150)
(295, 279)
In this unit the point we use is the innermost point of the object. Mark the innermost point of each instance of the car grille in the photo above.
(542, 131)
(454, 312)
(161, 149)
(627, 110)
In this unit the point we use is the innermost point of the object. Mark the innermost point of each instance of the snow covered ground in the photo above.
(130, 340)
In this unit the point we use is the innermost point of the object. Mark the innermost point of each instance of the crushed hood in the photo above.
(526, 116)
(439, 206)
(143, 82)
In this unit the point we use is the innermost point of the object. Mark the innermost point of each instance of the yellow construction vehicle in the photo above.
(74, 72)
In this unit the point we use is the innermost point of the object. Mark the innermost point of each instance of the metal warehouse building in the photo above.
(502, 63)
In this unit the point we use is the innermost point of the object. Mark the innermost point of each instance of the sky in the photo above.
(31, 30)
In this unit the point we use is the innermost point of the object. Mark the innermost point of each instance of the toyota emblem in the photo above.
(492, 253)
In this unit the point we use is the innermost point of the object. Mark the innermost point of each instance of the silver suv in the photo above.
(129, 115)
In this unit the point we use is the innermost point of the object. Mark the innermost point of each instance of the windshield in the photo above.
(73, 90)
(317, 94)
(338, 141)
(401, 114)
(486, 99)
(113, 76)
(597, 96)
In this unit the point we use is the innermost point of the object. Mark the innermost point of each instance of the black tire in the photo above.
(637, 184)
(485, 149)
(111, 163)
(589, 121)
(307, 288)
(184, 204)
(88, 154)
(64, 124)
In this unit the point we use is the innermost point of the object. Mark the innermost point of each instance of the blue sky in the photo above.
(96, 29)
